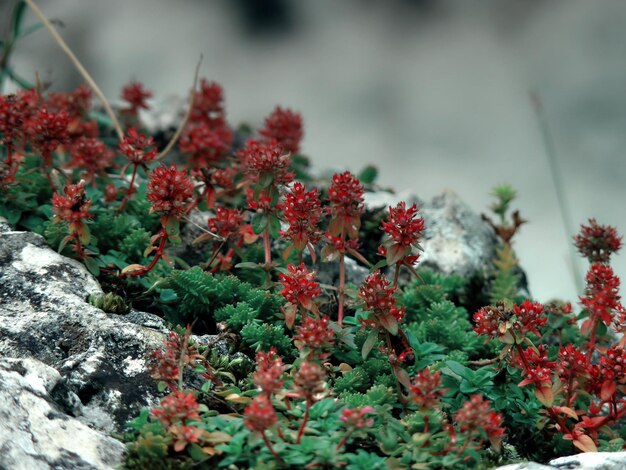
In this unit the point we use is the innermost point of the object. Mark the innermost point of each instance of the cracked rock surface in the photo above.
(100, 358)
(35, 434)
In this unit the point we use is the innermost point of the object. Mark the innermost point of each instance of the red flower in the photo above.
(597, 242)
(47, 131)
(269, 369)
(137, 148)
(529, 318)
(475, 416)
(169, 190)
(310, 381)
(571, 363)
(266, 164)
(510, 326)
(379, 298)
(302, 210)
(91, 155)
(72, 207)
(110, 193)
(12, 116)
(355, 418)
(403, 233)
(601, 293)
(315, 333)
(613, 365)
(206, 145)
(426, 391)
(185, 435)
(227, 222)
(299, 286)
(260, 414)
(76, 104)
(208, 103)
(177, 408)
(284, 126)
(346, 199)
(136, 95)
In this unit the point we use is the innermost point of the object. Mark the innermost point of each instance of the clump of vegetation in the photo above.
(382, 375)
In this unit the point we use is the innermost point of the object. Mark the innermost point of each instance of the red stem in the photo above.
(157, 257)
(130, 191)
(269, 446)
(342, 283)
(592, 341)
(343, 441)
(304, 421)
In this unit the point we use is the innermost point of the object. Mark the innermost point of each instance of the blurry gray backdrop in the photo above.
(433, 92)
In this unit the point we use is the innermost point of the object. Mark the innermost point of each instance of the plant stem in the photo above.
(342, 284)
(130, 191)
(396, 276)
(343, 441)
(304, 421)
(592, 341)
(79, 67)
(271, 449)
(157, 257)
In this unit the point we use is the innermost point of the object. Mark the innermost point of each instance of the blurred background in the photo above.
(433, 92)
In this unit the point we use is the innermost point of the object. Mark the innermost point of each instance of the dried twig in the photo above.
(57, 37)
(183, 123)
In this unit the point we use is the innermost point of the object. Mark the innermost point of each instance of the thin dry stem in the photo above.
(183, 123)
(57, 37)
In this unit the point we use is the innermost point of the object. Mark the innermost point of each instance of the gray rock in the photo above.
(35, 434)
(585, 461)
(592, 461)
(457, 240)
(101, 358)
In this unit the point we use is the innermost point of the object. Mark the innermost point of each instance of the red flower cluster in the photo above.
(613, 365)
(315, 334)
(260, 414)
(379, 298)
(284, 126)
(597, 242)
(476, 417)
(208, 104)
(310, 381)
(299, 286)
(178, 407)
(510, 326)
(356, 418)
(92, 156)
(403, 231)
(135, 95)
(72, 207)
(266, 164)
(346, 199)
(169, 190)
(12, 116)
(601, 297)
(205, 144)
(425, 390)
(47, 131)
(227, 222)
(571, 364)
(529, 317)
(269, 369)
(137, 148)
(302, 210)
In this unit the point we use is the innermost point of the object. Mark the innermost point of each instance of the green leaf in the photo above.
(274, 226)
(172, 227)
(460, 370)
(266, 179)
(370, 342)
(259, 222)
(368, 175)
(390, 324)
(18, 19)
(92, 266)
